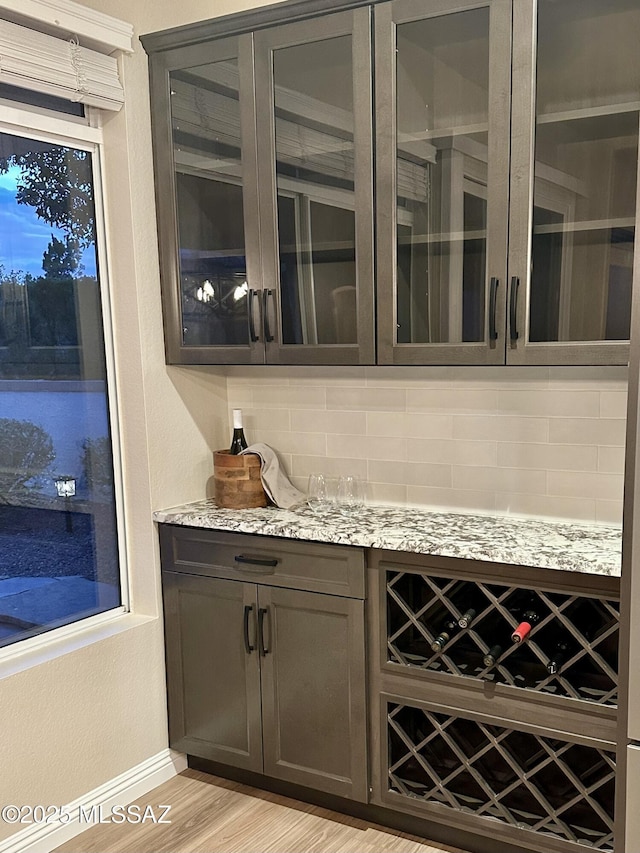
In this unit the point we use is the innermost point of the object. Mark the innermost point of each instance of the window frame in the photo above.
(83, 133)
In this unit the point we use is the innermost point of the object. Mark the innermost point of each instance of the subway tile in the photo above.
(611, 460)
(558, 457)
(385, 493)
(461, 499)
(500, 428)
(367, 447)
(291, 397)
(547, 403)
(452, 400)
(349, 376)
(546, 506)
(499, 479)
(297, 444)
(302, 466)
(271, 419)
(387, 424)
(609, 432)
(613, 404)
(452, 452)
(609, 512)
(313, 420)
(585, 484)
(239, 396)
(367, 399)
(257, 374)
(613, 377)
(428, 425)
(409, 473)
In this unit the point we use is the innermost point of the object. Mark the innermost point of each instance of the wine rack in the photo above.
(571, 651)
(556, 788)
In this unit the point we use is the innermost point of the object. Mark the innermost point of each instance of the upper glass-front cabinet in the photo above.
(573, 189)
(506, 149)
(442, 123)
(265, 187)
(313, 108)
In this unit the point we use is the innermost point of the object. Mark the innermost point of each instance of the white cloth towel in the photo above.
(274, 481)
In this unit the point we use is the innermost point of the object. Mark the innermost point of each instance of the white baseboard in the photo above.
(129, 786)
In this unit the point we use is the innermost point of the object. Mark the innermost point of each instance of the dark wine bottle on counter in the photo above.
(492, 656)
(447, 631)
(467, 618)
(529, 619)
(238, 441)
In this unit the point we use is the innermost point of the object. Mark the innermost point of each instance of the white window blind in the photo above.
(55, 66)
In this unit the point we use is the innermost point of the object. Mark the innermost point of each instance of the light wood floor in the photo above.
(213, 815)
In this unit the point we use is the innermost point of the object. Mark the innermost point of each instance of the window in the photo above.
(59, 552)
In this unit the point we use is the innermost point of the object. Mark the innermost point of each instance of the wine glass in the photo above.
(318, 494)
(350, 493)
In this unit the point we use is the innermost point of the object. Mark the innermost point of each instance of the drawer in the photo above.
(332, 569)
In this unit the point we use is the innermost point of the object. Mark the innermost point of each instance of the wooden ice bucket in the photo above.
(237, 483)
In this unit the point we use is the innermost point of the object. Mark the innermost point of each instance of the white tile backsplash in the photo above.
(529, 441)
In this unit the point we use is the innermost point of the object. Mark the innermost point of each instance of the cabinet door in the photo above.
(206, 190)
(442, 161)
(573, 190)
(313, 102)
(213, 669)
(313, 690)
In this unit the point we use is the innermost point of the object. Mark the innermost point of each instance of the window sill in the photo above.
(35, 651)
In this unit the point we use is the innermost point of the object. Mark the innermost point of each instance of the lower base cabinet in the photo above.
(268, 679)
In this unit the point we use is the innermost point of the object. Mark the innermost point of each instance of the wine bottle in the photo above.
(558, 658)
(467, 618)
(529, 619)
(238, 441)
(446, 632)
(492, 656)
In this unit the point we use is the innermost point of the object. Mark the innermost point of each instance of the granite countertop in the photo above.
(565, 546)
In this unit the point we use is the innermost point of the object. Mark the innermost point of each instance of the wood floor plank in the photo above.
(213, 815)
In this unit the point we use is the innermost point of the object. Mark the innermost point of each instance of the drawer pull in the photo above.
(263, 562)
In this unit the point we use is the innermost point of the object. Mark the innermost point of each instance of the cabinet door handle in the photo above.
(493, 332)
(262, 612)
(261, 562)
(248, 610)
(251, 298)
(266, 294)
(513, 308)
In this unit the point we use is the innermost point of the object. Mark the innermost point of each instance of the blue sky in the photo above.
(24, 236)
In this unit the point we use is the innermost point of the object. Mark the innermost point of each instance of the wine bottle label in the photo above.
(521, 633)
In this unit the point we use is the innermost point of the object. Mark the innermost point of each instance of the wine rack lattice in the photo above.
(585, 627)
(542, 784)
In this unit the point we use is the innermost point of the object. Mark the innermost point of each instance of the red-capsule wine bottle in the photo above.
(529, 619)
(238, 441)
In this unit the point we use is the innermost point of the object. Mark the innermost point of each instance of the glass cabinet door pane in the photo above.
(586, 148)
(442, 103)
(314, 132)
(205, 113)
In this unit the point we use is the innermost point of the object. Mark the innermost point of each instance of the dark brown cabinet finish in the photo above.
(262, 677)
